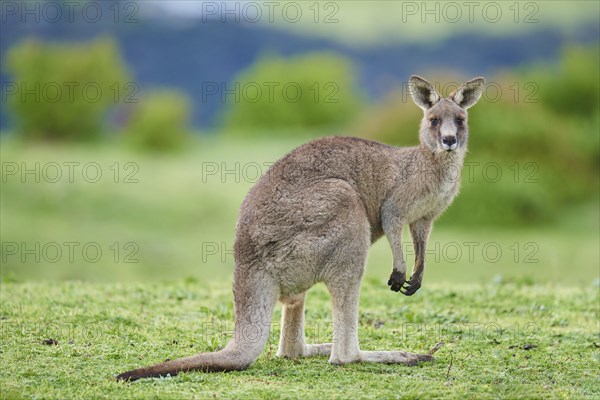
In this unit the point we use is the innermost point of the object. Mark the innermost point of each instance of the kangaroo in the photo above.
(312, 217)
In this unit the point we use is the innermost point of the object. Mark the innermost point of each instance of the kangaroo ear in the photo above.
(469, 93)
(422, 92)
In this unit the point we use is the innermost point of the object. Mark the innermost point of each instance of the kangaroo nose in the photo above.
(449, 140)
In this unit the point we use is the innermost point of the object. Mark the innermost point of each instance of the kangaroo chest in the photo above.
(433, 200)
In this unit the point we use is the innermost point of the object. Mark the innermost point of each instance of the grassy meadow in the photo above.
(113, 259)
(68, 340)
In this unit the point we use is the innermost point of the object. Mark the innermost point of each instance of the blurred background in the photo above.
(131, 131)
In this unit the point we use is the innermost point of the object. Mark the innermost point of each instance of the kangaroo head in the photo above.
(444, 124)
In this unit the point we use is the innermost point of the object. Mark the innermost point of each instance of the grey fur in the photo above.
(312, 217)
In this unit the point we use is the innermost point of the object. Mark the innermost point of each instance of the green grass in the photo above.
(177, 223)
(104, 329)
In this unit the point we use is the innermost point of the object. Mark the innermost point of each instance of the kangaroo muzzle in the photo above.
(449, 143)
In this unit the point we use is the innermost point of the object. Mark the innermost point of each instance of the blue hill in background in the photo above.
(190, 56)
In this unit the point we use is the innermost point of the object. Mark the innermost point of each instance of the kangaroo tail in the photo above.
(229, 359)
(252, 328)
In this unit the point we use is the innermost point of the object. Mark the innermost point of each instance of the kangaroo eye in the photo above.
(459, 121)
(435, 121)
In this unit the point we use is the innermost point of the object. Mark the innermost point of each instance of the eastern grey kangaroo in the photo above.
(312, 217)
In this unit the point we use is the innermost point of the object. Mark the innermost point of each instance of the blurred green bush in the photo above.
(159, 122)
(307, 91)
(573, 89)
(64, 91)
(537, 128)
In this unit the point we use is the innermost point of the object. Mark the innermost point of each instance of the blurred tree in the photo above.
(159, 122)
(307, 91)
(63, 91)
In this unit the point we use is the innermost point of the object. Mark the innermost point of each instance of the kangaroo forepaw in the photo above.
(397, 279)
(410, 287)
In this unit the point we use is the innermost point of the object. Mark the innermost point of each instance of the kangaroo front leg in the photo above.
(419, 231)
(393, 230)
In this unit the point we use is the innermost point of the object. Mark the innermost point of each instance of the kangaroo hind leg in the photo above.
(292, 342)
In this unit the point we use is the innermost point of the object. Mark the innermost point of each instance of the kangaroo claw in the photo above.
(410, 287)
(397, 279)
